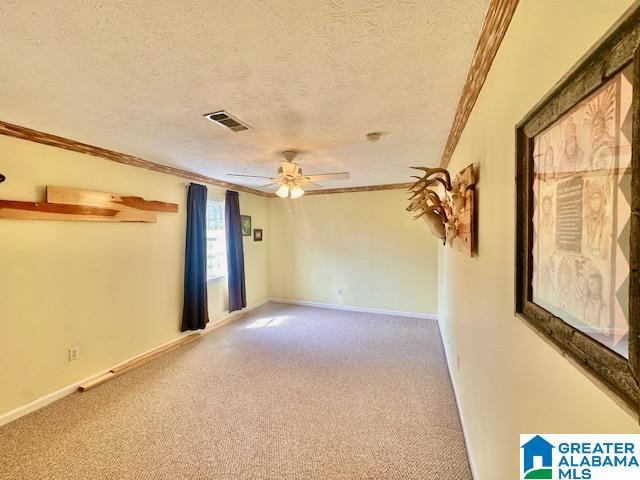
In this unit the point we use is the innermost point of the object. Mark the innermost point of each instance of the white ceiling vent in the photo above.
(223, 118)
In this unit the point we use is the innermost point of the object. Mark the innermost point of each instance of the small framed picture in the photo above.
(257, 234)
(245, 221)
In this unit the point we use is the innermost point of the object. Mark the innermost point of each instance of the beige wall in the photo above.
(510, 381)
(113, 289)
(364, 243)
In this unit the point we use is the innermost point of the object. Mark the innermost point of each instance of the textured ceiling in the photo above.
(314, 75)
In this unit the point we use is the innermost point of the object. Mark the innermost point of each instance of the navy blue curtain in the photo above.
(235, 252)
(195, 311)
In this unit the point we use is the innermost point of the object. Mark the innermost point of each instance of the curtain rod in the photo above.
(214, 187)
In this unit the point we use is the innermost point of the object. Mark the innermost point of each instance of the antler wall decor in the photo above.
(450, 216)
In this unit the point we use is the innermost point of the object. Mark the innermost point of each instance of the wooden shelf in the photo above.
(70, 204)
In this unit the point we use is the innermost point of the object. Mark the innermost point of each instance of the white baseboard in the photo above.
(230, 317)
(397, 313)
(68, 390)
(226, 318)
(43, 401)
(463, 423)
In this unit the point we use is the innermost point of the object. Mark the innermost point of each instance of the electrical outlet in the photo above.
(74, 353)
(339, 291)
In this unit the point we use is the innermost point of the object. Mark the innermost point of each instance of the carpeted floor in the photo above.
(286, 392)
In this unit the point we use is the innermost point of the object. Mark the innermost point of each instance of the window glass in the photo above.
(216, 241)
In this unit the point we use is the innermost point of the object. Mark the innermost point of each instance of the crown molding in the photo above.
(494, 28)
(24, 133)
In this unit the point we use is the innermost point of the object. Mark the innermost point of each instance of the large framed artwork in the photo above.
(578, 197)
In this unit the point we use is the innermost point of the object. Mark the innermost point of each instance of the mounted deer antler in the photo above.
(449, 214)
(428, 172)
(426, 203)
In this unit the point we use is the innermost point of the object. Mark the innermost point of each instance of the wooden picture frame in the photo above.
(257, 234)
(617, 54)
(245, 225)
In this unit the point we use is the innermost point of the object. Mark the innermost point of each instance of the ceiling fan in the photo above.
(290, 179)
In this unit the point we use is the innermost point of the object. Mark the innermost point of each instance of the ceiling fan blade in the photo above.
(267, 185)
(329, 176)
(314, 184)
(248, 176)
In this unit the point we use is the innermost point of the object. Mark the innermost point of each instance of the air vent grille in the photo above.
(223, 118)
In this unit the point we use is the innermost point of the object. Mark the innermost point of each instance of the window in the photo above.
(216, 241)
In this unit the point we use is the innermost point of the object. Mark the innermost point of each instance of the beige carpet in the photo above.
(285, 393)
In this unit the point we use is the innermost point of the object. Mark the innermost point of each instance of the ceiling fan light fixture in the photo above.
(297, 191)
(290, 169)
(283, 191)
(289, 180)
